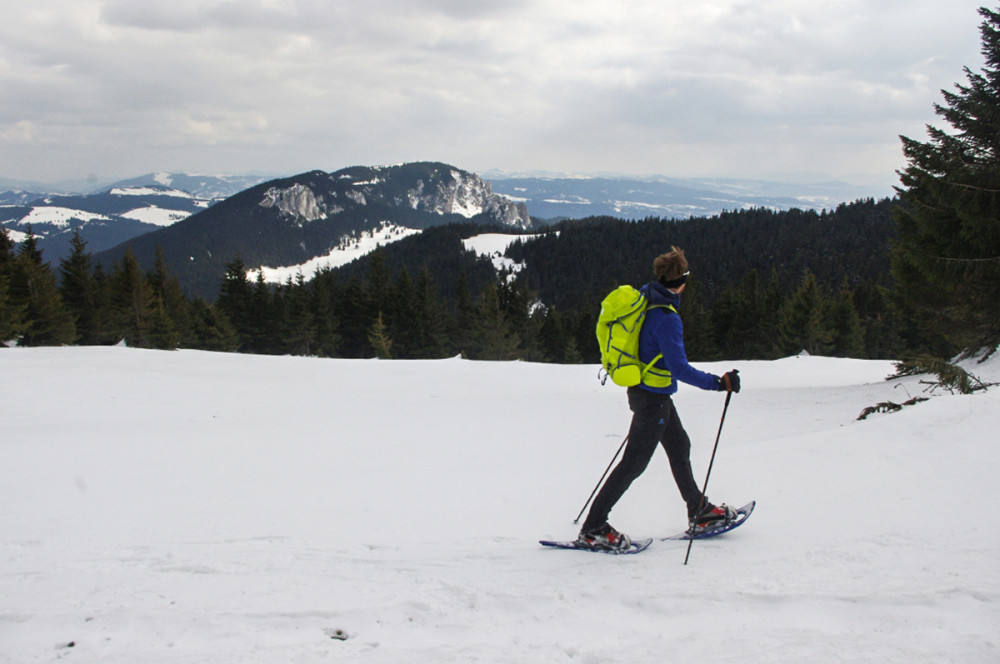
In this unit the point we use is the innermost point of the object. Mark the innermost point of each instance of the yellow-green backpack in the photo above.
(622, 314)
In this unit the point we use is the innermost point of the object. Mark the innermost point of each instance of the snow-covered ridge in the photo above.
(148, 191)
(156, 215)
(350, 248)
(59, 216)
(16, 236)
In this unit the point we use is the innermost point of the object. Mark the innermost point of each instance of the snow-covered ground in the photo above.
(198, 507)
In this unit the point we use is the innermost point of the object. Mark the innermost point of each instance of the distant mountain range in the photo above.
(319, 219)
(555, 197)
(115, 214)
(310, 220)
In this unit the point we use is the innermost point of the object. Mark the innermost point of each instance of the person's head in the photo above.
(671, 269)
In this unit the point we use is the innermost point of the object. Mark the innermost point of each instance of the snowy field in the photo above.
(191, 507)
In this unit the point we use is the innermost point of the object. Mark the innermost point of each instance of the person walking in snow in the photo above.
(654, 416)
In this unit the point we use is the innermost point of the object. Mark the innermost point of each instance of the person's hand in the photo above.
(730, 381)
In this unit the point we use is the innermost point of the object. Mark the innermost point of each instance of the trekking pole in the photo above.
(598, 486)
(729, 395)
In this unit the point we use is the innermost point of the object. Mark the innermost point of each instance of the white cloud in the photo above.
(738, 88)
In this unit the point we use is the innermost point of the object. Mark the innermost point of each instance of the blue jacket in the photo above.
(663, 332)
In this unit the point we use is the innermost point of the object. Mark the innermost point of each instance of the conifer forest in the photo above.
(765, 284)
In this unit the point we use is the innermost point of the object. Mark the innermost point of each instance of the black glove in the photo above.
(730, 381)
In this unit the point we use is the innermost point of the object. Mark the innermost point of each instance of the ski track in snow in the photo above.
(200, 507)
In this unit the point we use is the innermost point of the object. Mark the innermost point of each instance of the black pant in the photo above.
(654, 420)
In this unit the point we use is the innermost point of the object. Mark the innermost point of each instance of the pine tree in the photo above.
(880, 319)
(7, 247)
(104, 334)
(431, 319)
(235, 301)
(172, 324)
(78, 290)
(210, 329)
(323, 295)
(493, 337)
(378, 337)
(466, 316)
(298, 323)
(33, 288)
(11, 315)
(947, 260)
(262, 327)
(803, 325)
(848, 334)
(571, 354)
(351, 311)
(524, 318)
(131, 302)
(555, 338)
(379, 291)
(403, 323)
(699, 337)
(11, 326)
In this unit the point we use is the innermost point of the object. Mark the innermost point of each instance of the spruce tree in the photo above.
(947, 260)
(298, 328)
(379, 286)
(403, 325)
(431, 319)
(102, 325)
(803, 321)
(210, 329)
(131, 301)
(324, 292)
(172, 324)
(78, 289)
(33, 287)
(466, 318)
(262, 326)
(571, 354)
(880, 319)
(699, 337)
(352, 313)
(378, 337)
(11, 315)
(844, 322)
(556, 339)
(7, 247)
(235, 300)
(493, 336)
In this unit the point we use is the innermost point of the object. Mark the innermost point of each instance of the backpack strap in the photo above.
(649, 365)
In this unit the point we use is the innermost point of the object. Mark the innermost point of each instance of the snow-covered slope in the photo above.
(103, 219)
(197, 507)
(494, 246)
(350, 248)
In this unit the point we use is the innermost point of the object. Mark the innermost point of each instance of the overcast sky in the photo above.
(762, 89)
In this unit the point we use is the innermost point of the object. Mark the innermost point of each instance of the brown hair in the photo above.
(671, 266)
